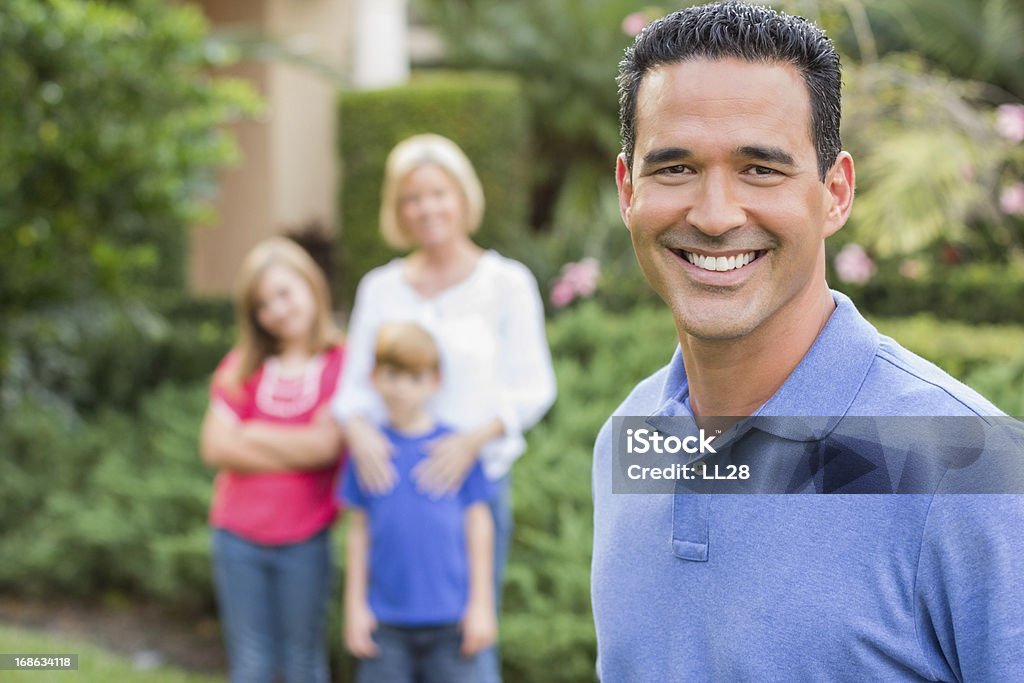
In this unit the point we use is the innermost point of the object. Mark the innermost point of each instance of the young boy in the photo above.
(419, 597)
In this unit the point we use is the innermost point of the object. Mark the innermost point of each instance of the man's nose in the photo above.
(715, 208)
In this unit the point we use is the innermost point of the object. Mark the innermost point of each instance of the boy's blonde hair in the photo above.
(406, 346)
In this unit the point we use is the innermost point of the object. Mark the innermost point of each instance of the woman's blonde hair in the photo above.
(424, 150)
(255, 344)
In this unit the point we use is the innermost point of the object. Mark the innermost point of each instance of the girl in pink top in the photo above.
(277, 453)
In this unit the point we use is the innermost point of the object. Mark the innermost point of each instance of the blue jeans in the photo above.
(273, 607)
(501, 510)
(425, 654)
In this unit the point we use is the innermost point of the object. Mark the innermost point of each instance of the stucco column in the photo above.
(287, 176)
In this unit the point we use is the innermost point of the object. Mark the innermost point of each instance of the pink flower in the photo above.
(634, 23)
(854, 265)
(1010, 121)
(1011, 200)
(562, 294)
(911, 269)
(582, 275)
(578, 278)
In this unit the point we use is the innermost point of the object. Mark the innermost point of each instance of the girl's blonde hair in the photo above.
(255, 344)
(423, 150)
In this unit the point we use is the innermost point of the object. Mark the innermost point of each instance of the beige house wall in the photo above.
(286, 178)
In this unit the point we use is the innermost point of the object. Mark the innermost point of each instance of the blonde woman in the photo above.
(277, 453)
(484, 310)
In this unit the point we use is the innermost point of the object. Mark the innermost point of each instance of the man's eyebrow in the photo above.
(774, 155)
(665, 154)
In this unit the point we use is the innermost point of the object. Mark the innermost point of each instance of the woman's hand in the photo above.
(449, 461)
(371, 453)
(451, 458)
(359, 627)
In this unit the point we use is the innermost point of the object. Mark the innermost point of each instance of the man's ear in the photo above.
(624, 183)
(840, 181)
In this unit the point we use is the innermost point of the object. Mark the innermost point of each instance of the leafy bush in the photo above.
(984, 293)
(117, 504)
(547, 619)
(483, 113)
(112, 139)
(558, 47)
(83, 356)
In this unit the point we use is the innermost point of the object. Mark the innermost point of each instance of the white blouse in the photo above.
(495, 360)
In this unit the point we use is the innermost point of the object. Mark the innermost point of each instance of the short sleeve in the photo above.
(234, 403)
(349, 491)
(476, 488)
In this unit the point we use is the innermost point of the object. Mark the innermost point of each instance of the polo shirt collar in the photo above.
(823, 386)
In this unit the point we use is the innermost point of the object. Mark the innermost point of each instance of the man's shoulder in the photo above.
(902, 383)
(643, 399)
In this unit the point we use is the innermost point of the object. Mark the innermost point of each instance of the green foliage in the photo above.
(598, 359)
(79, 357)
(557, 47)
(587, 223)
(118, 504)
(482, 113)
(958, 348)
(112, 134)
(930, 162)
(974, 39)
(972, 293)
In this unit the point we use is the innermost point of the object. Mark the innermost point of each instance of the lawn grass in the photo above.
(95, 665)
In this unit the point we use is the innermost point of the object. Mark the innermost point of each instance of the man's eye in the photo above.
(674, 170)
(763, 171)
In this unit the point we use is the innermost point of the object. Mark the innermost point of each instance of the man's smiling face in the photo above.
(724, 203)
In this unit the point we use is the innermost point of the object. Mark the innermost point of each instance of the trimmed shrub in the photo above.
(972, 293)
(101, 353)
(483, 113)
(118, 504)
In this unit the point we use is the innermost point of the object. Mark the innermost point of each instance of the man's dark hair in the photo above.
(748, 32)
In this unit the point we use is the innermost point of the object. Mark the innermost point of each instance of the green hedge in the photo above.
(115, 505)
(483, 113)
(100, 353)
(972, 293)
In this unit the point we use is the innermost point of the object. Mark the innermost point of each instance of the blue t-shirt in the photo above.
(841, 587)
(418, 574)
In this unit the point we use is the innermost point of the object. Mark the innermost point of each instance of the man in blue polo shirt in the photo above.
(731, 178)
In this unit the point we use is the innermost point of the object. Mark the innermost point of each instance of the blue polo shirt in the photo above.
(868, 587)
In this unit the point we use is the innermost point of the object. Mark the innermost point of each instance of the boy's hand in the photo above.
(479, 628)
(359, 627)
(371, 453)
(449, 462)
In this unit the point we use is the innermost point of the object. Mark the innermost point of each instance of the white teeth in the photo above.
(720, 263)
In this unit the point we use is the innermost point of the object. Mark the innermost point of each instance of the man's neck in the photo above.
(736, 377)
